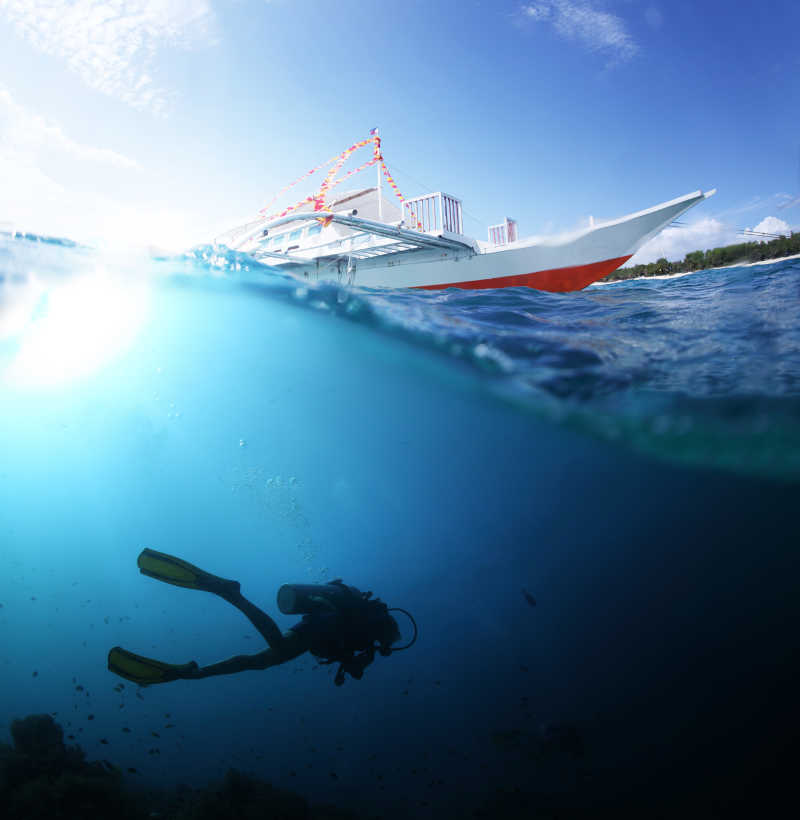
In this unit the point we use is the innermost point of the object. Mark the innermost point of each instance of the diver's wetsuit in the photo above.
(325, 634)
(346, 633)
(282, 647)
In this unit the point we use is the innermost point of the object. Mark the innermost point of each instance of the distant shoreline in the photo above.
(700, 270)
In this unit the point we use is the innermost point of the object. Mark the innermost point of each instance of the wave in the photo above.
(703, 368)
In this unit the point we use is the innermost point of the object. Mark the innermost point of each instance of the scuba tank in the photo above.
(303, 599)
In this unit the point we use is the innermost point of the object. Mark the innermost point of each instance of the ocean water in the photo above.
(628, 455)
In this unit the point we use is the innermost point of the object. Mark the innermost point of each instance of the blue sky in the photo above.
(167, 121)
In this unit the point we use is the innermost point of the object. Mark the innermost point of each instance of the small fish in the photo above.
(156, 734)
(108, 765)
(140, 696)
(167, 715)
(35, 673)
(119, 687)
(126, 730)
(70, 737)
(90, 717)
(529, 598)
(334, 775)
(170, 726)
(131, 770)
(79, 688)
(104, 741)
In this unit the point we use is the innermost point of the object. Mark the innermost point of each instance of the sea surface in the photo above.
(587, 501)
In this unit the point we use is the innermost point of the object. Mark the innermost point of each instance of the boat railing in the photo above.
(433, 213)
(504, 233)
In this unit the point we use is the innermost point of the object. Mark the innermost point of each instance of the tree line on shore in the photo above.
(743, 252)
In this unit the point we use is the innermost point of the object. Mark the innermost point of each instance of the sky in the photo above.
(165, 122)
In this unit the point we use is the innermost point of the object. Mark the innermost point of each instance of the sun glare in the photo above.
(78, 328)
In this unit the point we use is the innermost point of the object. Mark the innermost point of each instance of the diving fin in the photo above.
(145, 671)
(176, 571)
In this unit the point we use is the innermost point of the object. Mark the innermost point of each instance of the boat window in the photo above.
(296, 234)
(314, 230)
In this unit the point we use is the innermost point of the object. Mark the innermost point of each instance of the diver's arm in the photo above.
(292, 645)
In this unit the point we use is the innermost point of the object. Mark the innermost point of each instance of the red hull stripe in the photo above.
(557, 280)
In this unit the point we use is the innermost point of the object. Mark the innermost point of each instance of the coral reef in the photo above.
(42, 778)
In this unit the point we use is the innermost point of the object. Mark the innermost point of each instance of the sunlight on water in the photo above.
(74, 328)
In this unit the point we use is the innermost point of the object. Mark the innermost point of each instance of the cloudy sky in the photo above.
(166, 121)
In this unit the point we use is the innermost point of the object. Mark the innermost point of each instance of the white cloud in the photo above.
(770, 225)
(25, 133)
(112, 44)
(674, 243)
(32, 201)
(37, 200)
(577, 20)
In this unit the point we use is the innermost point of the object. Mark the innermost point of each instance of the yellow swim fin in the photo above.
(176, 571)
(145, 671)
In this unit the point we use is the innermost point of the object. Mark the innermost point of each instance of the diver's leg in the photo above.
(293, 646)
(173, 570)
(260, 620)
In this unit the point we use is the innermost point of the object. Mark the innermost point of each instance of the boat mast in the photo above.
(378, 169)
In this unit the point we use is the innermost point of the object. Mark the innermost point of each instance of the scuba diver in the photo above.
(338, 622)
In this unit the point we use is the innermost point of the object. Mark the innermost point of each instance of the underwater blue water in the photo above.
(629, 455)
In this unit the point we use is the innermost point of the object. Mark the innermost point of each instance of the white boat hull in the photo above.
(557, 264)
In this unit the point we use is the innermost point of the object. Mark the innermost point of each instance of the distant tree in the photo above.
(714, 258)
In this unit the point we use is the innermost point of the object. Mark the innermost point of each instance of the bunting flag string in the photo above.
(336, 164)
(292, 184)
(393, 185)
